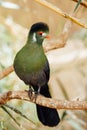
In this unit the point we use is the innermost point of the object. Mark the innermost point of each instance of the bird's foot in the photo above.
(31, 93)
(37, 93)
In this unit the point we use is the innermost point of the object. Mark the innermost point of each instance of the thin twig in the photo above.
(61, 40)
(43, 101)
(59, 11)
(10, 115)
(19, 112)
(6, 72)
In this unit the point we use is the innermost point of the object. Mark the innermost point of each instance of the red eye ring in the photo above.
(40, 33)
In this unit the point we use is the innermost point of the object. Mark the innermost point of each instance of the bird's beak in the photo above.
(47, 36)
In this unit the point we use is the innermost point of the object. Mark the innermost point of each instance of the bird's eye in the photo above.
(40, 33)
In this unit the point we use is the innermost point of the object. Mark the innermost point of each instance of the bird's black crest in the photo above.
(40, 26)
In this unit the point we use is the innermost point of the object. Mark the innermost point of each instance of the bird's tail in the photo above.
(47, 116)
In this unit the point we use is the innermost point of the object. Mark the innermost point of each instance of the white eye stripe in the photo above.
(34, 37)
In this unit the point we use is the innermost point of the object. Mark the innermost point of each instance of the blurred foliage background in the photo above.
(68, 65)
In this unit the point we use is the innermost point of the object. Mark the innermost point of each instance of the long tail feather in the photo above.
(47, 116)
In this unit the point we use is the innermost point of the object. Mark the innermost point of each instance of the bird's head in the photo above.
(38, 32)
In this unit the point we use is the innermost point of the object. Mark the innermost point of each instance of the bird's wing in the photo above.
(47, 70)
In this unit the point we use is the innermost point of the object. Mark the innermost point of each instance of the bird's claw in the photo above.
(32, 94)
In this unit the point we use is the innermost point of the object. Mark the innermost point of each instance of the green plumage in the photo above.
(30, 64)
(30, 58)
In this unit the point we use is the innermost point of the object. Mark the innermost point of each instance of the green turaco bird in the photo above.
(31, 66)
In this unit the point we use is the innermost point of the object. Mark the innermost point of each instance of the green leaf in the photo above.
(79, 1)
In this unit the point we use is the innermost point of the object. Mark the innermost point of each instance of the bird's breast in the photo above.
(30, 59)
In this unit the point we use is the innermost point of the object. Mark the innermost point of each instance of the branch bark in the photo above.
(43, 101)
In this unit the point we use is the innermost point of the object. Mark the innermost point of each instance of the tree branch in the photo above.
(60, 12)
(43, 101)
